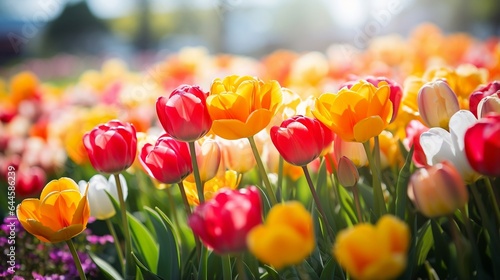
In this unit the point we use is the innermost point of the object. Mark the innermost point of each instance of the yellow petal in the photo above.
(228, 106)
(27, 209)
(232, 129)
(61, 184)
(368, 128)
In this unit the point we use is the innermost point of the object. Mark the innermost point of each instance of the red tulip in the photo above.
(492, 88)
(301, 139)
(112, 147)
(184, 114)
(168, 161)
(482, 145)
(30, 181)
(413, 131)
(223, 222)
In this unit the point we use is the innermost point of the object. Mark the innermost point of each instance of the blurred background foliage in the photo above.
(154, 28)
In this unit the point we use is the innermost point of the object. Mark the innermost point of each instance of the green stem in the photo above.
(117, 242)
(78, 264)
(279, 186)
(241, 267)
(187, 208)
(493, 198)
(203, 272)
(130, 268)
(262, 170)
(318, 203)
(226, 267)
(457, 239)
(196, 171)
(355, 193)
(379, 202)
(173, 207)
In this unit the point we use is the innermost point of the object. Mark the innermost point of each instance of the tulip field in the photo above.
(380, 163)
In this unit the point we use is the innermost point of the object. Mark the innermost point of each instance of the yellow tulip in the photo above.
(286, 238)
(60, 214)
(356, 114)
(241, 106)
(378, 251)
(230, 179)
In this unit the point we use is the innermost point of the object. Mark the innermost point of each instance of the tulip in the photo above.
(378, 251)
(396, 91)
(353, 150)
(30, 181)
(208, 157)
(300, 139)
(101, 206)
(356, 114)
(286, 238)
(112, 147)
(241, 106)
(168, 160)
(229, 179)
(223, 222)
(347, 172)
(482, 145)
(487, 105)
(439, 144)
(437, 190)
(491, 89)
(60, 214)
(237, 155)
(413, 131)
(184, 114)
(437, 103)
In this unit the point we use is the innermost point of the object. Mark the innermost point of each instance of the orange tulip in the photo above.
(241, 106)
(356, 114)
(60, 214)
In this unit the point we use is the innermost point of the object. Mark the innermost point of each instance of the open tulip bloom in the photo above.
(392, 176)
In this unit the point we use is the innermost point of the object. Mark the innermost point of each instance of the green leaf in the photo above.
(425, 241)
(272, 274)
(107, 270)
(329, 270)
(143, 243)
(168, 259)
(146, 273)
(305, 269)
(402, 185)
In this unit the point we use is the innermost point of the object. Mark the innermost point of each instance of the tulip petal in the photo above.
(233, 129)
(437, 145)
(58, 185)
(368, 128)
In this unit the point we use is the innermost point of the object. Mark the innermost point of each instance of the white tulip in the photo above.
(101, 207)
(439, 144)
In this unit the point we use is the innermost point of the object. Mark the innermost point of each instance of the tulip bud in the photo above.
(30, 181)
(353, 150)
(437, 190)
(489, 104)
(237, 154)
(437, 103)
(208, 157)
(101, 206)
(347, 172)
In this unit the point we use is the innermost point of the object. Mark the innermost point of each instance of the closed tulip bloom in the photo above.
(440, 145)
(482, 145)
(489, 104)
(353, 150)
(184, 114)
(30, 181)
(112, 147)
(101, 206)
(60, 214)
(168, 160)
(437, 190)
(286, 238)
(301, 139)
(237, 155)
(413, 131)
(241, 106)
(378, 251)
(223, 222)
(437, 103)
(356, 114)
(491, 89)
(208, 157)
(347, 172)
